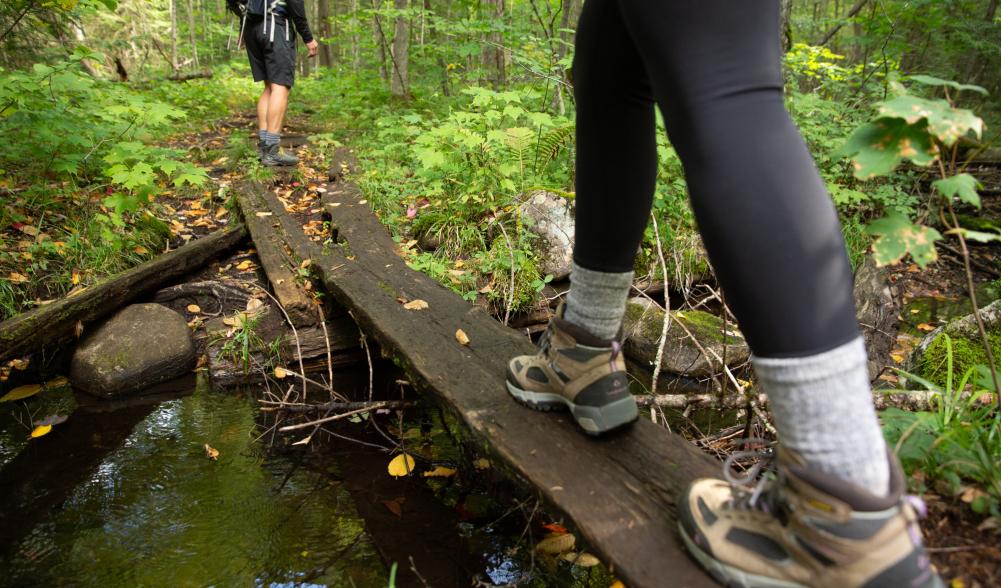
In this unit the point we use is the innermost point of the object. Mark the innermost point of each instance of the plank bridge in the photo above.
(619, 491)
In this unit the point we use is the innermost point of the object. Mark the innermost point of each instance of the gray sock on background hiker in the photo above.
(597, 300)
(271, 138)
(260, 134)
(823, 410)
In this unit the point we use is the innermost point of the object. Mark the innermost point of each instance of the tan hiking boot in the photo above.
(805, 528)
(575, 369)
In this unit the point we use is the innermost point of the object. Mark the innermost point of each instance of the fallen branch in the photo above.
(191, 75)
(905, 399)
(303, 407)
(336, 417)
(48, 324)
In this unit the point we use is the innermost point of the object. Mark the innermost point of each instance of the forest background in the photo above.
(457, 110)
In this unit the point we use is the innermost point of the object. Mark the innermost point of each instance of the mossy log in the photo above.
(53, 322)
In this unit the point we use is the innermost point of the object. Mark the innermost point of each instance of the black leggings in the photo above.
(713, 67)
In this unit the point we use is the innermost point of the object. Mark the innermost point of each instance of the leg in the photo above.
(773, 236)
(277, 105)
(262, 107)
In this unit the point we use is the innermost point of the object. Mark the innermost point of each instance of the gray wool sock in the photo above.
(260, 134)
(823, 410)
(271, 138)
(597, 300)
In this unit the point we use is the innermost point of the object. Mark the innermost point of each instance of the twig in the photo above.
(336, 417)
(665, 326)
(329, 406)
(326, 341)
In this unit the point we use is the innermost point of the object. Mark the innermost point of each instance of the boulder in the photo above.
(642, 327)
(877, 310)
(141, 345)
(550, 218)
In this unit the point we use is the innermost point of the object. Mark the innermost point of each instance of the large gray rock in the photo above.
(877, 310)
(549, 217)
(642, 327)
(142, 345)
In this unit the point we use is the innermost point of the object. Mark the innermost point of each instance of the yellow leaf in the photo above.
(244, 265)
(211, 452)
(305, 263)
(440, 472)
(401, 465)
(57, 382)
(221, 212)
(897, 358)
(140, 250)
(617, 584)
(194, 308)
(461, 337)
(556, 544)
(20, 364)
(416, 305)
(482, 464)
(280, 373)
(21, 392)
(582, 559)
(29, 230)
(41, 430)
(925, 327)
(18, 278)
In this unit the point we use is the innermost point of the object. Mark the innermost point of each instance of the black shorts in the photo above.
(271, 61)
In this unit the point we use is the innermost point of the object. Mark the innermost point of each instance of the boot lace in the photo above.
(756, 488)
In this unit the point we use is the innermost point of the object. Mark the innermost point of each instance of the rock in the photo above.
(929, 357)
(550, 217)
(142, 345)
(877, 311)
(645, 320)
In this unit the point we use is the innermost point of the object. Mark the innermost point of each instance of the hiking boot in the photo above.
(805, 528)
(260, 150)
(274, 156)
(576, 370)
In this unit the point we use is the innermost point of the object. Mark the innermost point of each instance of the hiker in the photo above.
(266, 31)
(834, 513)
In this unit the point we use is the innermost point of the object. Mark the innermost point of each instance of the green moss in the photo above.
(705, 326)
(965, 355)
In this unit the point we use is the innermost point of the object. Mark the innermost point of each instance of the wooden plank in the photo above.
(48, 324)
(266, 232)
(619, 491)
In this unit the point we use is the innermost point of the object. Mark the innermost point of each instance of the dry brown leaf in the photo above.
(140, 250)
(556, 543)
(280, 373)
(395, 505)
(211, 452)
(29, 230)
(262, 214)
(18, 278)
(582, 559)
(20, 364)
(194, 308)
(221, 212)
(461, 337)
(78, 329)
(254, 304)
(416, 305)
(57, 382)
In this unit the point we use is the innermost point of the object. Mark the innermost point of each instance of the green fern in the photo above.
(555, 142)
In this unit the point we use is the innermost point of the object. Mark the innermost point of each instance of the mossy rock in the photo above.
(644, 322)
(929, 359)
(141, 345)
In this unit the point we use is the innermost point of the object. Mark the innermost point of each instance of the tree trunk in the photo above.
(380, 40)
(493, 46)
(785, 32)
(992, 11)
(400, 86)
(323, 18)
(192, 36)
(173, 34)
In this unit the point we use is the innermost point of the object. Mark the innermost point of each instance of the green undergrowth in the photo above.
(951, 357)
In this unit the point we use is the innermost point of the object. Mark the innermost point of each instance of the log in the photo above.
(619, 490)
(266, 232)
(191, 75)
(49, 324)
(912, 400)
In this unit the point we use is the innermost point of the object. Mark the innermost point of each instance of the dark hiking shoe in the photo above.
(576, 370)
(805, 528)
(273, 156)
(260, 150)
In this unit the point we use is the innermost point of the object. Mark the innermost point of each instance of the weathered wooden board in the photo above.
(619, 491)
(48, 324)
(267, 234)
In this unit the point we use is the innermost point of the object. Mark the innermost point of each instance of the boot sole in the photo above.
(730, 576)
(593, 420)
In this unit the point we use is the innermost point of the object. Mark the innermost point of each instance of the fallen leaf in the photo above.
(556, 543)
(617, 584)
(280, 373)
(245, 265)
(41, 430)
(416, 305)
(897, 358)
(925, 327)
(18, 278)
(221, 212)
(20, 364)
(140, 250)
(555, 528)
(21, 392)
(29, 230)
(203, 360)
(263, 214)
(57, 382)
(305, 440)
(401, 465)
(487, 289)
(915, 311)
(440, 472)
(194, 308)
(482, 464)
(971, 493)
(395, 505)
(582, 559)
(78, 329)
(461, 337)
(254, 304)
(305, 263)
(211, 452)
